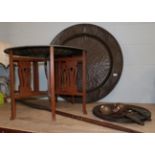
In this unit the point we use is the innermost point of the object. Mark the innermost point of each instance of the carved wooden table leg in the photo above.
(52, 84)
(12, 86)
(84, 91)
(35, 77)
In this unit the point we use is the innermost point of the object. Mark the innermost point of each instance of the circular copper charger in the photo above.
(104, 58)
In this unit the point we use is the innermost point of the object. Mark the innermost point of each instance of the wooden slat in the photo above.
(31, 94)
(96, 122)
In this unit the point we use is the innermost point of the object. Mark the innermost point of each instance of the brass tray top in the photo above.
(43, 51)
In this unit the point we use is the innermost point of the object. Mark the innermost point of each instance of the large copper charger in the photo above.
(104, 58)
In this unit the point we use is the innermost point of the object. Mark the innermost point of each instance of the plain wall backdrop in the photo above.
(137, 41)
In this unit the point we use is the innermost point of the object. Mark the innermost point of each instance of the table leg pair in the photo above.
(25, 64)
(66, 83)
(23, 68)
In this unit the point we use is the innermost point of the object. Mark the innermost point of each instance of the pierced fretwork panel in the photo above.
(66, 76)
(24, 72)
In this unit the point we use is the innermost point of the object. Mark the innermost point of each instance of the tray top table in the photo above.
(63, 72)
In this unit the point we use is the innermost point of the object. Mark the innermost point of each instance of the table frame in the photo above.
(24, 71)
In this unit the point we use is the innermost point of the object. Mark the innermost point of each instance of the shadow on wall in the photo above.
(4, 59)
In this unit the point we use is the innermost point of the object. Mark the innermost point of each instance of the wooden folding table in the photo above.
(67, 65)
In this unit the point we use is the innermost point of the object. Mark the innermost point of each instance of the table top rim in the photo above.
(7, 50)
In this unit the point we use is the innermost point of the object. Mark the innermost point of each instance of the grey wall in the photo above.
(137, 41)
(34, 33)
(4, 32)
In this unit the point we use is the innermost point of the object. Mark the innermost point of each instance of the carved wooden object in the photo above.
(63, 72)
(24, 73)
(27, 67)
(66, 72)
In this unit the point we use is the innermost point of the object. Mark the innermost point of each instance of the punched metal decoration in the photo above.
(104, 58)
